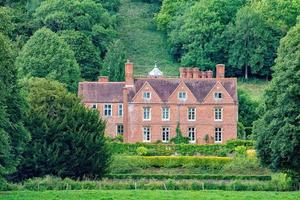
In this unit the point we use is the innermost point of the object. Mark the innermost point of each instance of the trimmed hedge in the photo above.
(188, 176)
(181, 149)
(207, 162)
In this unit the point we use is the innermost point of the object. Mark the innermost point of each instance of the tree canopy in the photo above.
(47, 55)
(278, 129)
(67, 138)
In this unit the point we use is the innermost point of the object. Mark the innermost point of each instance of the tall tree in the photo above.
(86, 54)
(113, 64)
(67, 138)
(278, 129)
(252, 44)
(13, 135)
(47, 55)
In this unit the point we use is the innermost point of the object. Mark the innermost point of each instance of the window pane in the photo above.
(165, 134)
(146, 134)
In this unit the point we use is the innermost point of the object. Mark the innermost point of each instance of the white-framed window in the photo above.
(165, 113)
(147, 95)
(191, 114)
(147, 113)
(120, 110)
(94, 106)
(192, 134)
(182, 96)
(107, 110)
(218, 135)
(218, 95)
(120, 129)
(218, 114)
(165, 134)
(146, 134)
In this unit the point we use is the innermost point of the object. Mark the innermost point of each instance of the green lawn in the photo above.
(146, 195)
(254, 87)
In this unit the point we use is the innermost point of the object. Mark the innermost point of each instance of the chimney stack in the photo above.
(209, 74)
(195, 73)
(220, 71)
(189, 72)
(182, 72)
(103, 79)
(129, 74)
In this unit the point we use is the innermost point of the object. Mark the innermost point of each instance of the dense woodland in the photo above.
(47, 47)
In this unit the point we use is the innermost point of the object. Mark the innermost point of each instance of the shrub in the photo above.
(240, 151)
(142, 151)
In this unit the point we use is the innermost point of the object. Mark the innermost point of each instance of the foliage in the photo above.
(179, 138)
(142, 151)
(46, 55)
(67, 138)
(181, 149)
(278, 138)
(53, 183)
(113, 63)
(13, 135)
(86, 54)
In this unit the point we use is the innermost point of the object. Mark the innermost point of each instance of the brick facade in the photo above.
(208, 114)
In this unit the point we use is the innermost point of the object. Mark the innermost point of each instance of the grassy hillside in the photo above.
(144, 43)
(255, 88)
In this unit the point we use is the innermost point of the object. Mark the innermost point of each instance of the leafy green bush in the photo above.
(142, 151)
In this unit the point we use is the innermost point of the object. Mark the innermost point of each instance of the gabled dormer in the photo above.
(146, 95)
(218, 95)
(182, 94)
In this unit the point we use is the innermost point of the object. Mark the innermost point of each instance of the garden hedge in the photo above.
(180, 149)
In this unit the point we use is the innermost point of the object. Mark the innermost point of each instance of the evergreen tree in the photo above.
(67, 138)
(278, 129)
(47, 55)
(86, 54)
(113, 64)
(13, 135)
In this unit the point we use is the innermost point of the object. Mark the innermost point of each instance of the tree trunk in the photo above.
(246, 71)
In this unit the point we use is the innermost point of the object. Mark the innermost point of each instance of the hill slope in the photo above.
(145, 45)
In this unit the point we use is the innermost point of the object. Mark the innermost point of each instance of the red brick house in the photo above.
(148, 109)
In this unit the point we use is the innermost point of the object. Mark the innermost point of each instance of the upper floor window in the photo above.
(182, 96)
(218, 135)
(218, 114)
(218, 95)
(147, 113)
(191, 114)
(120, 129)
(107, 110)
(147, 95)
(120, 110)
(165, 134)
(192, 135)
(94, 105)
(146, 134)
(165, 113)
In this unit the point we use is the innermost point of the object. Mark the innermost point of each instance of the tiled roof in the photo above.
(113, 92)
(96, 92)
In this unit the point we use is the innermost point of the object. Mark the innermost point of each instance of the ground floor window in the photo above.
(120, 129)
(165, 134)
(146, 134)
(218, 134)
(192, 135)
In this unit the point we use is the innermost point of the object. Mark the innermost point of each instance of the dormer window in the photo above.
(147, 95)
(182, 96)
(218, 95)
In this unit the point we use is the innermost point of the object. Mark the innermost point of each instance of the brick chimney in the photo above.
(220, 71)
(195, 73)
(129, 73)
(209, 74)
(189, 72)
(103, 79)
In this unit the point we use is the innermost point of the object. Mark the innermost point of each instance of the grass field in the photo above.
(147, 195)
(254, 87)
(144, 44)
